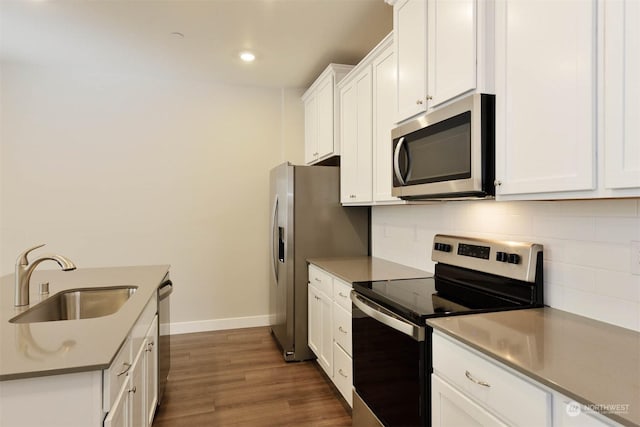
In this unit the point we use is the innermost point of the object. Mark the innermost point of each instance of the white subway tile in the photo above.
(608, 256)
(607, 309)
(617, 284)
(617, 229)
(571, 228)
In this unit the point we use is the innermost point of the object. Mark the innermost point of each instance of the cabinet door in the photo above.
(410, 32)
(449, 407)
(545, 103)
(310, 129)
(621, 94)
(314, 320)
(325, 114)
(451, 62)
(349, 140)
(151, 372)
(118, 413)
(326, 325)
(136, 391)
(356, 139)
(384, 95)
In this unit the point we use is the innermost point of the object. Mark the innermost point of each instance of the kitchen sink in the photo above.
(75, 304)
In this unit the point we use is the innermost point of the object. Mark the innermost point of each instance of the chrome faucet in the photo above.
(24, 270)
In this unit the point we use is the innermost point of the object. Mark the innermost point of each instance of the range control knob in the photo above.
(514, 259)
(443, 247)
(501, 256)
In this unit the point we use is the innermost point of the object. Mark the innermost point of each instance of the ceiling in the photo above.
(293, 40)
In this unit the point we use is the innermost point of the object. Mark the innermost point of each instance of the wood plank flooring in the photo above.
(239, 378)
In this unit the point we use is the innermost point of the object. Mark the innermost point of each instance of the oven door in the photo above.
(389, 360)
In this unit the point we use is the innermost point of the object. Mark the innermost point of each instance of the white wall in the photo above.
(587, 246)
(120, 170)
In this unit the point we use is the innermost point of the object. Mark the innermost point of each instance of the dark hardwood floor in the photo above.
(239, 378)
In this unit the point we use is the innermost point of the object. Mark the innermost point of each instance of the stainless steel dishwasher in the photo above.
(164, 338)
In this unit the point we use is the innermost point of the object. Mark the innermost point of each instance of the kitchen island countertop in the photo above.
(591, 362)
(48, 348)
(365, 268)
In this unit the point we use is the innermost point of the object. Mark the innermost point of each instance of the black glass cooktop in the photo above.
(419, 299)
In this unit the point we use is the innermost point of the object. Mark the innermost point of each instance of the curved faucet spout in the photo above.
(24, 271)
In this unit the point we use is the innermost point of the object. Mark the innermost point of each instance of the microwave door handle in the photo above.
(387, 318)
(274, 262)
(396, 162)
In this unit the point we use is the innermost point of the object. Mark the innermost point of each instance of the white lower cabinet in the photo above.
(329, 328)
(132, 378)
(151, 372)
(343, 378)
(450, 407)
(320, 314)
(124, 395)
(471, 389)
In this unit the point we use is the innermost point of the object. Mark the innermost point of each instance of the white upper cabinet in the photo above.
(621, 112)
(545, 96)
(356, 128)
(410, 43)
(321, 115)
(366, 108)
(567, 99)
(451, 36)
(384, 95)
(444, 49)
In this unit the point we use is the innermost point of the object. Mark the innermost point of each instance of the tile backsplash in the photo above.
(587, 246)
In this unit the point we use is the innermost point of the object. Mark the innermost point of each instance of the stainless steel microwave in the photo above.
(447, 153)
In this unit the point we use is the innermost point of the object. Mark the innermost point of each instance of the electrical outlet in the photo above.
(635, 257)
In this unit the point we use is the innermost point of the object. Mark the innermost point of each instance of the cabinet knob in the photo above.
(133, 389)
(429, 97)
(497, 183)
(352, 196)
(419, 102)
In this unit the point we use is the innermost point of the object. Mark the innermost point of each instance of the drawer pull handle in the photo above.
(342, 373)
(317, 280)
(343, 295)
(126, 366)
(470, 377)
(342, 330)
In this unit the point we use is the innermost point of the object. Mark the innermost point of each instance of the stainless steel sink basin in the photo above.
(73, 304)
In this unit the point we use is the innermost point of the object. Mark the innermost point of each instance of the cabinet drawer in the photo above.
(114, 377)
(518, 401)
(341, 294)
(321, 280)
(343, 373)
(342, 328)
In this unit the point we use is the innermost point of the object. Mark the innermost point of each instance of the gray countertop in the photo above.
(364, 268)
(50, 348)
(592, 362)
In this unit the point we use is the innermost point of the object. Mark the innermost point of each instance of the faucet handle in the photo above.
(22, 258)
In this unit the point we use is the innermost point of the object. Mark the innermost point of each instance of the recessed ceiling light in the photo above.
(247, 56)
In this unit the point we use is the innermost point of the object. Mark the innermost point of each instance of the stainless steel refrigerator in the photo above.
(307, 222)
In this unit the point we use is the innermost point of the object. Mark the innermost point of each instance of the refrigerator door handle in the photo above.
(274, 261)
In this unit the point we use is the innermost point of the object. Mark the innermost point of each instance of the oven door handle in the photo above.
(386, 317)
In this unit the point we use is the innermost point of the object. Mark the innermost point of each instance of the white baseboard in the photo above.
(219, 324)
